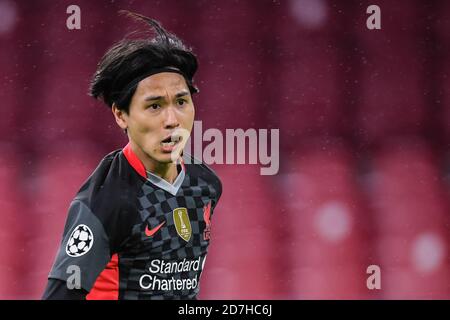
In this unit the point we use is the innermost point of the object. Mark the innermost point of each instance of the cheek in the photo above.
(144, 124)
(143, 129)
(189, 118)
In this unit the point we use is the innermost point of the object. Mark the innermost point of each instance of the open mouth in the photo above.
(171, 140)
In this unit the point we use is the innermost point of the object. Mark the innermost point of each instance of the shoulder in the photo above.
(110, 186)
(110, 194)
(103, 176)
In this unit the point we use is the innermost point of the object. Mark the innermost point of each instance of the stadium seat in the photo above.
(15, 220)
(444, 72)
(392, 94)
(57, 68)
(305, 83)
(58, 176)
(412, 220)
(232, 76)
(9, 86)
(244, 252)
(328, 224)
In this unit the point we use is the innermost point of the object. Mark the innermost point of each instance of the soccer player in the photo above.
(139, 227)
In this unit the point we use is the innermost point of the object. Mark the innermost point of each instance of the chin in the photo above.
(167, 158)
(158, 157)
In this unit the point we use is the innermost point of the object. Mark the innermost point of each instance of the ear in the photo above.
(120, 116)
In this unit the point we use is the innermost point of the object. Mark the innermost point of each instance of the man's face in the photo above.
(160, 118)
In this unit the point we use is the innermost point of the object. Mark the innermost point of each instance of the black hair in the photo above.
(131, 60)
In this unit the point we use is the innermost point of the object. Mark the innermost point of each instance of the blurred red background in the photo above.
(364, 136)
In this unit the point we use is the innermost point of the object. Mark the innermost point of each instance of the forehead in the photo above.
(161, 82)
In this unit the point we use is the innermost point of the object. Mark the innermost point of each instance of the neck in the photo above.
(166, 171)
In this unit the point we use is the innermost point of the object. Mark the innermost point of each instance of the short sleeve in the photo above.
(85, 247)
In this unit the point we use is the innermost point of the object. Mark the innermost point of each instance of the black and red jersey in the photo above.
(133, 235)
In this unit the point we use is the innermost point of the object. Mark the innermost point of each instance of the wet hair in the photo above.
(129, 61)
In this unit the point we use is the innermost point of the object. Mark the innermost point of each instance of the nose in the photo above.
(170, 118)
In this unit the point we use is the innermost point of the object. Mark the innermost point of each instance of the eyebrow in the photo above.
(178, 95)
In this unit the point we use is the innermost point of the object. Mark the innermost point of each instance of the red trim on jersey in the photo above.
(135, 162)
(106, 287)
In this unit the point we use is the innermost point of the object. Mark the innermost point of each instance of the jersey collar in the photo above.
(163, 184)
(137, 165)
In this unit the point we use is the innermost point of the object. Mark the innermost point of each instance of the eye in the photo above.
(181, 102)
(154, 106)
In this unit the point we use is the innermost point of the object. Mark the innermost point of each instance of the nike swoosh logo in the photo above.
(151, 232)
